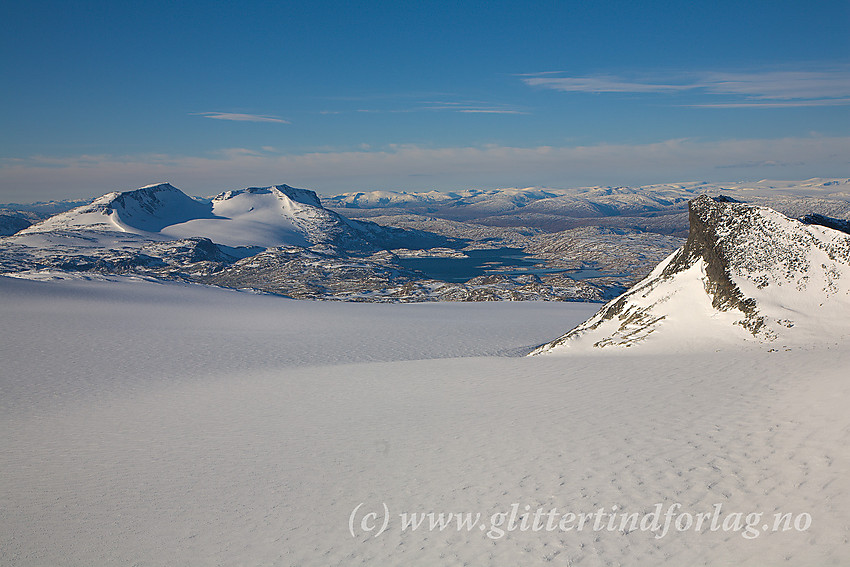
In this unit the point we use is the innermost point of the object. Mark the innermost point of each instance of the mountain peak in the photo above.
(303, 196)
(746, 273)
(153, 207)
(147, 209)
(142, 193)
(265, 217)
(163, 186)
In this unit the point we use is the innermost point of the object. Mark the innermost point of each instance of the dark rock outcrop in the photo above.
(767, 269)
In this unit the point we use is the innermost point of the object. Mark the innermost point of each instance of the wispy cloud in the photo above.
(782, 85)
(239, 117)
(775, 104)
(765, 89)
(435, 168)
(488, 111)
(600, 84)
(462, 107)
(471, 107)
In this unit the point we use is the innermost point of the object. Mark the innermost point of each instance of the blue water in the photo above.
(504, 261)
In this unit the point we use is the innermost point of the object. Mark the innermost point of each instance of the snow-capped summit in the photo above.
(148, 209)
(745, 274)
(286, 216)
(266, 217)
(281, 192)
(260, 216)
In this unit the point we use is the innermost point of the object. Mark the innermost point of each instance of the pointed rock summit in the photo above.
(746, 274)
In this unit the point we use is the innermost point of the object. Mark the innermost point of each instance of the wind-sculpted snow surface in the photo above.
(150, 423)
(746, 274)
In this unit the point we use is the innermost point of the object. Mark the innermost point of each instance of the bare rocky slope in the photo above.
(747, 274)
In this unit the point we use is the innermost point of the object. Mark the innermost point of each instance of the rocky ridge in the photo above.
(745, 274)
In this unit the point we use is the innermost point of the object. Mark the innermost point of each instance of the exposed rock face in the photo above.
(743, 267)
(717, 228)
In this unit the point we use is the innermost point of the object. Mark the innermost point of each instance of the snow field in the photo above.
(145, 423)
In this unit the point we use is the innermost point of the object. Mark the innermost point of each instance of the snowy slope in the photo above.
(145, 210)
(747, 274)
(270, 216)
(257, 216)
(167, 424)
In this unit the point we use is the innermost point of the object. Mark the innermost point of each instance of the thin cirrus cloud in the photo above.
(471, 108)
(776, 104)
(600, 84)
(767, 89)
(461, 107)
(240, 117)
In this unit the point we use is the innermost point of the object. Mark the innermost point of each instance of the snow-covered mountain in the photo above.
(463, 204)
(258, 216)
(746, 274)
(658, 208)
(480, 203)
(584, 201)
(143, 211)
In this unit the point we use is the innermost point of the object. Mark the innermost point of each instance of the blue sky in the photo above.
(352, 96)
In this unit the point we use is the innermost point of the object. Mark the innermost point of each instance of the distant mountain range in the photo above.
(475, 245)
(653, 208)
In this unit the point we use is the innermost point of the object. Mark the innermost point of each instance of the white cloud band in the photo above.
(409, 167)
